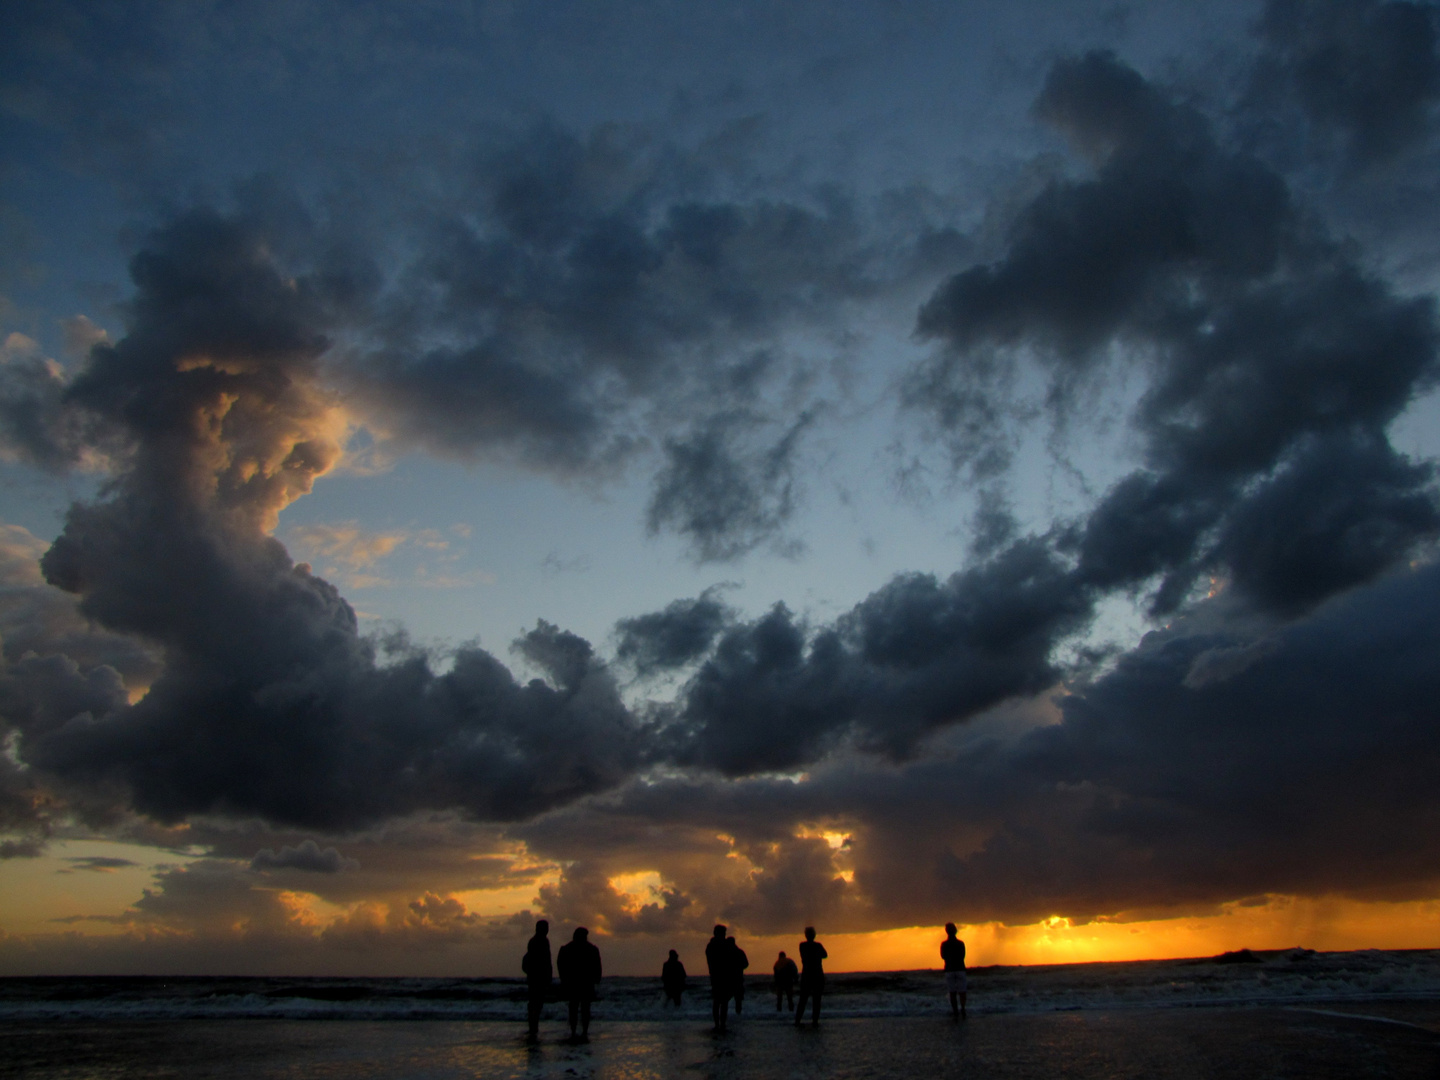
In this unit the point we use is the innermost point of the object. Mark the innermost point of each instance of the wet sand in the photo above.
(1395, 1040)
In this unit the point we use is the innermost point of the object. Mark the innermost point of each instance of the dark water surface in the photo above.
(1400, 1040)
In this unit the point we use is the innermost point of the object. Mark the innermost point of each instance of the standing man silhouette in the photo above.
(578, 964)
(812, 976)
(952, 951)
(538, 973)
(722, 977)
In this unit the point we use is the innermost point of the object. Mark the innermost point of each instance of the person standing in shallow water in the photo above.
(785, 975)
(739, 962)
(952, 952)
(722, 978)
(672, 978)
(578, 964)
(538, 975)
(812, 976)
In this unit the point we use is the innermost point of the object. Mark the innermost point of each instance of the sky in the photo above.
(653, 464)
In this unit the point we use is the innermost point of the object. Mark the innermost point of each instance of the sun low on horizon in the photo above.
(651, 467)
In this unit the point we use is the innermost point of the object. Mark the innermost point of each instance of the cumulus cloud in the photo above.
(34, 425)
(1265, 344)
(1299, 764)
(674, 637)
(587, 275)
(270, 702)
(589, 295)
(305, 856)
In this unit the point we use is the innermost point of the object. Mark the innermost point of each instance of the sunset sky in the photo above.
(651, 464)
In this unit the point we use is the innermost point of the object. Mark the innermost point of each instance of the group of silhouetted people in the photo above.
(727, 963)
(578, 966)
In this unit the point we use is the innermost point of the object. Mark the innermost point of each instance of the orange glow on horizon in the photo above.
(1326, 924)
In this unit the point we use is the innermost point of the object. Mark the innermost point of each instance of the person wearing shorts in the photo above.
(952, 952)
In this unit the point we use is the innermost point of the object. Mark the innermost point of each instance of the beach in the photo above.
(1400, 1040)
(1289, 1013)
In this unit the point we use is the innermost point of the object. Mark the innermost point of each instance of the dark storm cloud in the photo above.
(307, 855)
(1298, 762)
(1275, 739)
(578, 276)
(914, 656)
(34, 425)
(270, 702)
(1263, 340)
(588, 292)
(1367, 71)
(723, 498)
(673, 638)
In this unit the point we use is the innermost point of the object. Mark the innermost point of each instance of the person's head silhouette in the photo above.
(949, 929)
(674, 955)
(542, 928)
(719, 931)
(581, 933)
(809, 933)
(782, 955)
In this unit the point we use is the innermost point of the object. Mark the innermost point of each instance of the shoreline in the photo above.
(1398, 1038)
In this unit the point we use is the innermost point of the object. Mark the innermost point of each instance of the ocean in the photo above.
(1277, 1012)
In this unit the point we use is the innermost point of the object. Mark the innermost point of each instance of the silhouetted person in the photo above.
(578, 964)
(812, 975)
(785, 975)
(722, 977)
(538, 973)
(740, 962)
(952, 951)
(672, 977)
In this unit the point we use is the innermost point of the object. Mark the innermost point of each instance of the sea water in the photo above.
(1335, 1016)
(1261, 978)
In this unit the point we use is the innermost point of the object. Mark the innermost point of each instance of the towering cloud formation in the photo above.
(1276, 735)
(270, 702)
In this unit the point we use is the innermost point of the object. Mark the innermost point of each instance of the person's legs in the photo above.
(800, 1012)
(954, 1004)
(574, 1015)
(532, 1010)
(585, 1018)
(962, 1004)
(815, 1006)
